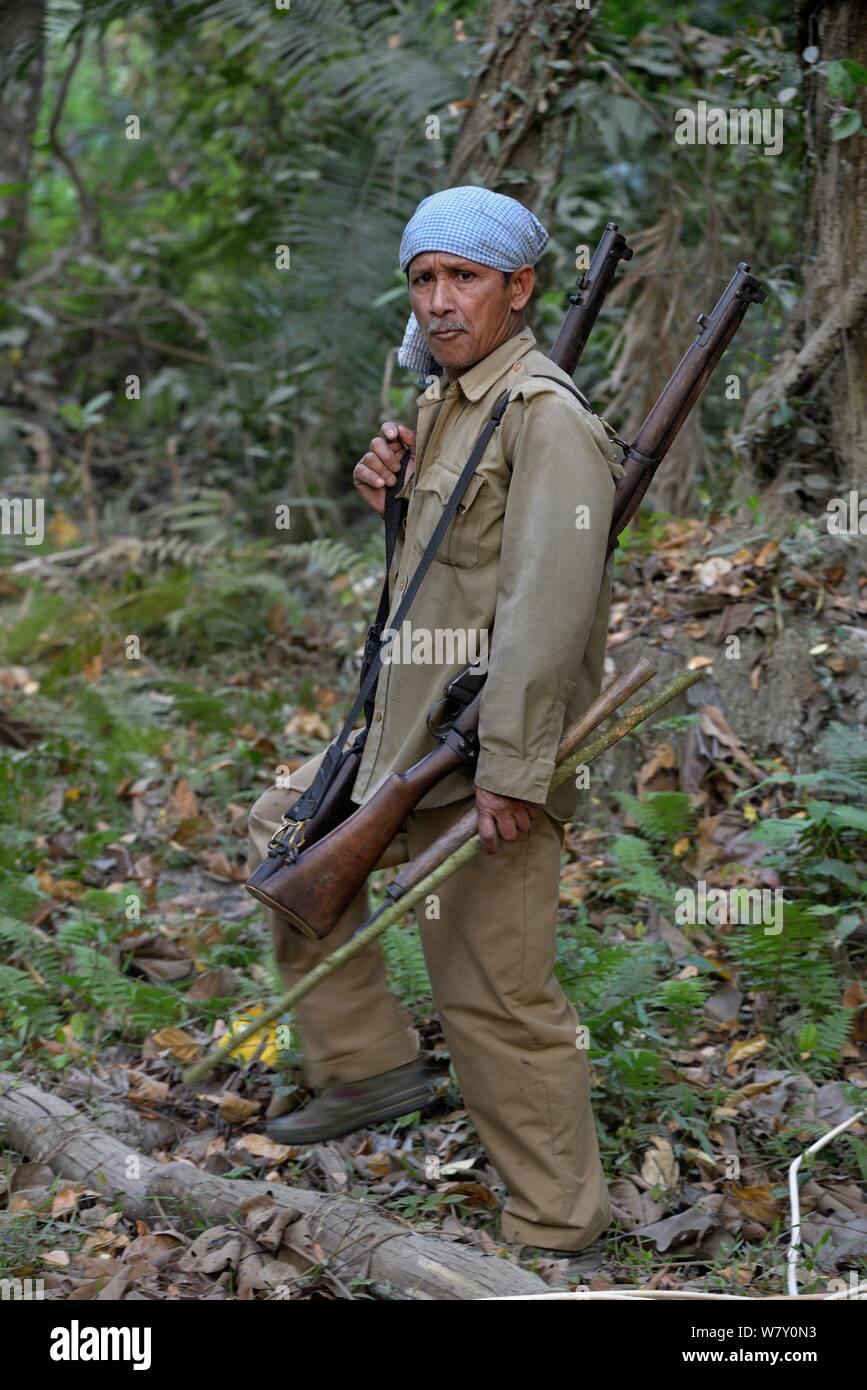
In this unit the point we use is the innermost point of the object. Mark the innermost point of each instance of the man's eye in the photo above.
(470, 274)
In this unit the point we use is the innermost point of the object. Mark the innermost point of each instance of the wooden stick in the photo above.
(583, 756)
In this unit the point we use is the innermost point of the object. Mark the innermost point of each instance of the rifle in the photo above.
(311, 891)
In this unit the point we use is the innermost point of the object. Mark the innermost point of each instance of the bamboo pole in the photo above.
(583, 756)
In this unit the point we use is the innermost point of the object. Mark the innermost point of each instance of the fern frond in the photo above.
(405, 964)
(643, 880)
(661, 816)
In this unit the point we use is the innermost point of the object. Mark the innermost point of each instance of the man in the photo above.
(523, 567)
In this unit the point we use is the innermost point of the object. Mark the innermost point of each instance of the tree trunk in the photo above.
(511, 141)
(824, 358)
(356, 1235)
(21, 69)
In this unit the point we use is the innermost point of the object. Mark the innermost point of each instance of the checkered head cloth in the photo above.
(472, 222)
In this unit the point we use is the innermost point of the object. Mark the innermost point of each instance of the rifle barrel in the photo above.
(688, 380)
(592, 287)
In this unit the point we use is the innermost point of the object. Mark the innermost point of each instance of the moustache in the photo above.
(448, 326)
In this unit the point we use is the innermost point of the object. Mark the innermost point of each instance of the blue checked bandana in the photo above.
(472, 222)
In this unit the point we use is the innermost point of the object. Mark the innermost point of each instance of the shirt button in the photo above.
(377, 718)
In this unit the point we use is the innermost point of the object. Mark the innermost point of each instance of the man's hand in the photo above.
(505, 815)
(377, 470)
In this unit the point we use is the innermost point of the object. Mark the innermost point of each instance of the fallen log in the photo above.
(358, 1238)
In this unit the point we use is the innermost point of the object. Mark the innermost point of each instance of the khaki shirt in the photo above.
(521, 563)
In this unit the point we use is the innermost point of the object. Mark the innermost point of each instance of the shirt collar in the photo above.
(478, 379)
(476, 382)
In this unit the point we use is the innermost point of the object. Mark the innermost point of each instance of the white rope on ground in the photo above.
(794, 1198)
(640, 1293)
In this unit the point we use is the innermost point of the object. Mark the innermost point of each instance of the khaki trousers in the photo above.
(510, 1029)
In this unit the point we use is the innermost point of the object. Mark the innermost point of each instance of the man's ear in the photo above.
(521, 285)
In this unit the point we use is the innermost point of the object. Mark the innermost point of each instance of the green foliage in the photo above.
(72, 970)
(405, 964)
(28, 1009)
(662, 817)
(798, 970)
(332, 557)
(630, 1012)
(308, 129)
(641, 878)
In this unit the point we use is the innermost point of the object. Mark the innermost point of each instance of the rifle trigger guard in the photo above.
(440, 727)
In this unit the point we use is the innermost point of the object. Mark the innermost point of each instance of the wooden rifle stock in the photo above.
(313, 890)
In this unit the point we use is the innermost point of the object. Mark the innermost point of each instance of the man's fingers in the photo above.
(388, 455)
(506, 826)
(384, 468)
(396, 436)
(392, 438)
(487, 832)
(364, 476)
(523, 819)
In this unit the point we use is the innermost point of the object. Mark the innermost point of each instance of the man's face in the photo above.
(464, 309)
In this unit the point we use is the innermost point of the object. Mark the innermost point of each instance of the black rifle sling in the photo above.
(308, 803)
(394, 513)
(569, 387)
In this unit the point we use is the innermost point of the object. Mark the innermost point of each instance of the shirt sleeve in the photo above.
(552, 562)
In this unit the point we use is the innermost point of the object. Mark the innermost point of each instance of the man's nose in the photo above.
(441, 299)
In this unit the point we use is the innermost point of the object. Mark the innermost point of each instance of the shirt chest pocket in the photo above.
(460, 545)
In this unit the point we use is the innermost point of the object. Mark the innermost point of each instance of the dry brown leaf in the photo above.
(708, 572)
(662, 759)
(220, 981)
(18, 678)
(63, 889)
(757, 1203)
(853, 997)
(179, 1043)
(58, 1258)
(263, 1147)
(183, 804)
(144, 1087)
(766, 554)
(744, 1051)
(659, 1167)
(713, 723)
(217, 866)
(65, 1201)
(236, 1109)
(307, 723)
